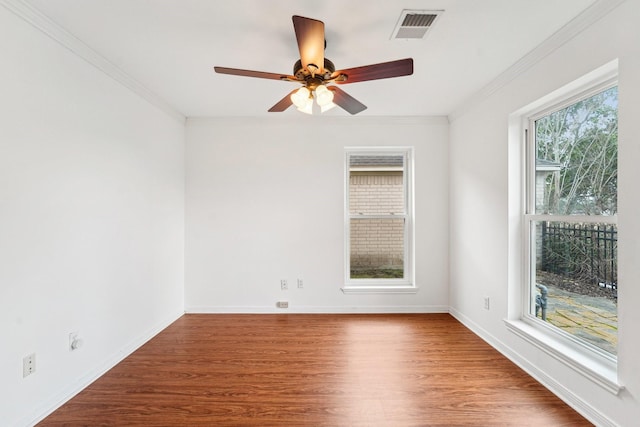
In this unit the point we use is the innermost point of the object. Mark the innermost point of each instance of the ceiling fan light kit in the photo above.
(317, 74)
(303, 99)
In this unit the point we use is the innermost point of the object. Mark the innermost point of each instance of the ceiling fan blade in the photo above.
(346, 101)
(384, 70)
(310, 37)
(283, 104)
(250, 73)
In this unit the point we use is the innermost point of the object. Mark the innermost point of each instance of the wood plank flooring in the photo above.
(315, 370)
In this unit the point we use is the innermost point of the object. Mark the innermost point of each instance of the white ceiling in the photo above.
(171, 46)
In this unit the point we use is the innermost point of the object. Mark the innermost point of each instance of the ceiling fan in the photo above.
(316, 73)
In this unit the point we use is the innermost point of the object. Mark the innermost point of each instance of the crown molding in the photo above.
(41, 22)
(585, 19)
(356, 121)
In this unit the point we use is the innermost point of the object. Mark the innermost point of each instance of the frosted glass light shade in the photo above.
(323, 96)
(301, 97)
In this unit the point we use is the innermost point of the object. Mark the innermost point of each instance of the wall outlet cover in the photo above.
(28, 365)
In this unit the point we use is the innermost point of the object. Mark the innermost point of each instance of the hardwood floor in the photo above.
(315, 370)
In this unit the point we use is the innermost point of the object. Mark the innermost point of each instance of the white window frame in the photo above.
(586, 359)
(406, 284)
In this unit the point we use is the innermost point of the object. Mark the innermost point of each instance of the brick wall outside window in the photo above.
(377, 242)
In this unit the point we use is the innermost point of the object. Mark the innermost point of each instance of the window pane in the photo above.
(576, 158)
(576, 280)
(377, 248)
(376, 184)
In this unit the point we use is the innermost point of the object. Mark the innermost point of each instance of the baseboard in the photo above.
(49, 406)
(570, 398)
(317, 309)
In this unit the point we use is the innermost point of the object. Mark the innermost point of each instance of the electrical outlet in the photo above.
(28, 365)
(486, 303)
(282, 304)
(283, 284)
(300, 284)
(75, 342)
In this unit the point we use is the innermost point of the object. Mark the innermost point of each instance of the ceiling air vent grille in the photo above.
(414, 24)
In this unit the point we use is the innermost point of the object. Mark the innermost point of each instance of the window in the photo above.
(570, 220)
(378, 219)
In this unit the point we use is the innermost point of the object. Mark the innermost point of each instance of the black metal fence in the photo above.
(585, 252)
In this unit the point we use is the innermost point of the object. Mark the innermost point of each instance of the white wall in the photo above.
(92, 225)
(265, 201)
(91, 220)
(479, 236)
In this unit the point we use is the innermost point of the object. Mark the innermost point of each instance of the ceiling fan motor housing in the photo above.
(303, 74)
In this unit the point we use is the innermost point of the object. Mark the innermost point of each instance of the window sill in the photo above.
(599, 369)
(379, 289)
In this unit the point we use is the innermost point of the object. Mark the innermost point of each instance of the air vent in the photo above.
(414, 24)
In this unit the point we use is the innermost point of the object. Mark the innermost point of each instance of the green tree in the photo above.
(583, 139)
